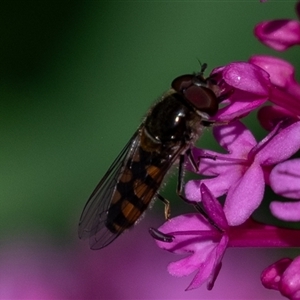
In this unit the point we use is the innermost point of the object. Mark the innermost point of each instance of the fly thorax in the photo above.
(169, 121)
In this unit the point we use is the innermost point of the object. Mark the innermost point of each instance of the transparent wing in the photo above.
(92, 222)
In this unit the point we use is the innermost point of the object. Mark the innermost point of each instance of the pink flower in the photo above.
(284, 276)
(279, 34)
(247, 87)
(206, 239)
(242, 172)
(284, 91)
(284, 180)
(194, 234)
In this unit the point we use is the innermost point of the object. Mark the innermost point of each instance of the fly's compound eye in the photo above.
(181, 83)
(202, 99)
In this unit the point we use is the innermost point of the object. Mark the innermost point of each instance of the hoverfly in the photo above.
(165, 137)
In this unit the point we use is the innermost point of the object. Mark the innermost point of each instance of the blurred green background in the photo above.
(76, 78)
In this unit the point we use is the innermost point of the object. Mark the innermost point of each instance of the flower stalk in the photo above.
(261, 235)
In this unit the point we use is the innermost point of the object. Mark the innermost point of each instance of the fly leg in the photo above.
(198, 205)
(180, 181)
(160, 236)
(167, 206)
(155, 233)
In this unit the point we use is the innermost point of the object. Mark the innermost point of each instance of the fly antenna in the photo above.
(203, 66)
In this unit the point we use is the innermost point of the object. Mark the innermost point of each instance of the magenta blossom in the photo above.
(194, 234)
(279, 34)
(284, 276)
(284, 180)
(246, 85)
(284, 90)
(206, 243)
(242, 172)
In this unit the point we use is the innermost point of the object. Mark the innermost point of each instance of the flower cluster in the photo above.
(241, 174)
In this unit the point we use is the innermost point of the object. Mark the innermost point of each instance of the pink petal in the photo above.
(235, 138)
(286, 90)
(205, 271)
(220, 251)
(280, 147)
(286, 211)
(196, 260)
(218, 185)
(184, 223)
(249, 87)
(278, 34)
(285, 177)
(290, 282)
(281, 72)
(244, 197)
(269, 116)
(213, 207)
(204, 254)
(211, 266)
(241, 104)
(271, 276)
(247, 77)
(209, 162)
